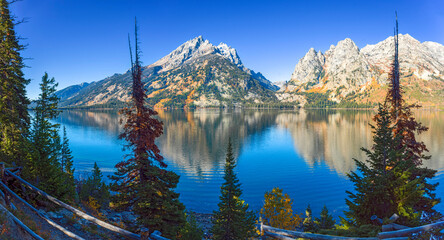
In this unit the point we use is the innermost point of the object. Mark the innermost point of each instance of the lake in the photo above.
(307, 153)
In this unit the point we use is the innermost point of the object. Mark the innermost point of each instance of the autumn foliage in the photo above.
(141, 182)
(278, 212)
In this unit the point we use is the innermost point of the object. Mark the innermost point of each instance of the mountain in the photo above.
(71, 91)
(345, 72)
(197, 73)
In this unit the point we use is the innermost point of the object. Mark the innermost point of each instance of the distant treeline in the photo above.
(321, 100)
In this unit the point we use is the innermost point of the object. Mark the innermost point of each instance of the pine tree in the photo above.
(393, 180)
(191, 230)
(44, 168)
(407, 128)
(141, 181)
(66, 155)
(325, 221)
(66, 164)
(94, 187)
(309, 224)
(14, 117)
(233, 220)
(383, 186)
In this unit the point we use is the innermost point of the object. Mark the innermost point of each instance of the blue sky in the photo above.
(86, 40)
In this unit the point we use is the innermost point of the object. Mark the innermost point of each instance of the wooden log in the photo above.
(263, 237)
(76, 211)
(144, 234)
(15, 170)
(156, 236)
(276, 236)
(21, 224)
(409, 231)
(392, 227)
(2, 171)
(52, 223)
(2, 194)
(394, 217)
(3, 179)
(295, 234)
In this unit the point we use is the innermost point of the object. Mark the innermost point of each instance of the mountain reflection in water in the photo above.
(306, 152)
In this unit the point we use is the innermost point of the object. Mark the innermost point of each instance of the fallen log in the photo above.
(408, 231)
(21, 224)
(392, 227)
(52, 223)
(295, 234)
(76, 211)
(156, 236)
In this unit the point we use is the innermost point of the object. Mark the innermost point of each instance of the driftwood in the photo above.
(22, 225)
(76, 211)
(295, 234)
(62, 229)
(408, 231)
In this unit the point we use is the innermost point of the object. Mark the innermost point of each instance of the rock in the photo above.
(128, 217)
(82, 221)
(65, 213)
(77, 226)
(347, 67)
(196, 69)
(9, 229)
(54, 215)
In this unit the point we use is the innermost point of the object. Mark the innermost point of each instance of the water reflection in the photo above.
(307, 153)
(196, 140)
(330, 136)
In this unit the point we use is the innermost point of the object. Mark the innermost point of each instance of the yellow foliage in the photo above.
(189, 97)
(321, 89)
(161, 102)
(155, 93)
(93, 206)
(277, 210)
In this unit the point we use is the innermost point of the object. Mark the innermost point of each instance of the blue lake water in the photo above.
(307, 153)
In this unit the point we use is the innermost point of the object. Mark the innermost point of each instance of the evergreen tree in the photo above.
(141, 181)
(44, 168)
(383, 186)
(94, 187)
(14, 118)
(233, 220)
(66, 155)
(407, 127)
(309, 224)
(191, 230)
(393, 181)
(66, 164)
(325, 221)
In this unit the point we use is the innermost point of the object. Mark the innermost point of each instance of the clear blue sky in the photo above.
(86, 40)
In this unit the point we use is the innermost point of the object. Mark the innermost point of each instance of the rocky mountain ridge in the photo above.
(345, 70)
(197, 73)
(201, 74)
